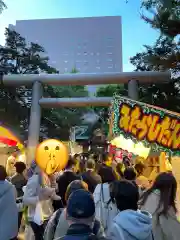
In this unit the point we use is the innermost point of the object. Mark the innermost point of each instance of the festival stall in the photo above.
(141, 131)
(8, 143)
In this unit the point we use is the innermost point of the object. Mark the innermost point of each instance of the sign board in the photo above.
(80, 133)
(153, 126)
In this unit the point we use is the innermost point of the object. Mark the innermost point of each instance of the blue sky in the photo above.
(135, 32)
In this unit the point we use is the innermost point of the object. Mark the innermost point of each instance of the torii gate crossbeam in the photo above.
(36, 80)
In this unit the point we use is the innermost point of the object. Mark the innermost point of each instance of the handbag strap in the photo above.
(152, 235)
(102, 193)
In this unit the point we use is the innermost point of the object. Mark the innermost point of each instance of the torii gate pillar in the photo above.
(133, 89)
(34, 121)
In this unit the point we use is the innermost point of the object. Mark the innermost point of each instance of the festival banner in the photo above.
(155, 127)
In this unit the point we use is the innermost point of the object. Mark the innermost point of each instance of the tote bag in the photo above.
(105, 208)
(38, 215)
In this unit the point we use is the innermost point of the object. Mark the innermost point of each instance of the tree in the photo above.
(165, 16)
(163, 55)
(102, 113)
(18, 57)
(2, 6)
(74, 70)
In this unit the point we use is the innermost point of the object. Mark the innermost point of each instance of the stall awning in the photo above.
(8, 141)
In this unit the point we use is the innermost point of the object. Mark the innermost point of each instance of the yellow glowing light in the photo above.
(127, 144)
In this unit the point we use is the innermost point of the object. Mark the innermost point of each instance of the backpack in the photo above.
(56, 219)
(74, 237)
(106, 210)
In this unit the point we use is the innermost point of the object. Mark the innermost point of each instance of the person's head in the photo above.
(120, 169)
(130, 174)
(104, 157)
(20, 167)
(166, 184)
(107, 174)
(90, 164)
(72, 164)
(74, 186)
(80, 208)
(3, 174)
(126, 161)
(139, 167)
(15, 152)
(126, 195)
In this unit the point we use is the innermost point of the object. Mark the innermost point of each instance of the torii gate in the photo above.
(38, 101)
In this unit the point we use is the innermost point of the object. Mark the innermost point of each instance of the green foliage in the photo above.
(165, 16)
(18, 57)
(163, 55)
(74, 70)
(110, 90)
(103, 112)
(2, 6)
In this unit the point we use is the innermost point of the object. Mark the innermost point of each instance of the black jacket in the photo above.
(19, 181)
(63, 181)
(92, 179)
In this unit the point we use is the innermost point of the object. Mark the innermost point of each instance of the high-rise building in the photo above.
(91, 44)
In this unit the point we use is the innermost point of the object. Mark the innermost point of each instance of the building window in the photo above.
(85, 63)
(66, 69)
(65, 61)
(98, 67)
(97, 53)
(109, 60)
(85, 44)
(109, 53)
(85, 53)
(110, 66)
(92, 54)
(78, 53)
(98, 61)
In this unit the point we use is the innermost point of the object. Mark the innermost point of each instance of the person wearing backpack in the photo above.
(80, 214)
(58, 224)
(90, 176)
(106, 209)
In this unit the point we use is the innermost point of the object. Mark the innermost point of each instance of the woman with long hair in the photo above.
(106, 209)
(159, 200)
(37, 198)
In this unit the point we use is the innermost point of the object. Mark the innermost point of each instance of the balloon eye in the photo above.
(57, 148)
(46, 148)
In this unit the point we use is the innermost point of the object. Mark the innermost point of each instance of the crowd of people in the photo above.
(88, 200)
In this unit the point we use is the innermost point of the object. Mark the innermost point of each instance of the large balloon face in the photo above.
(51, 156)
